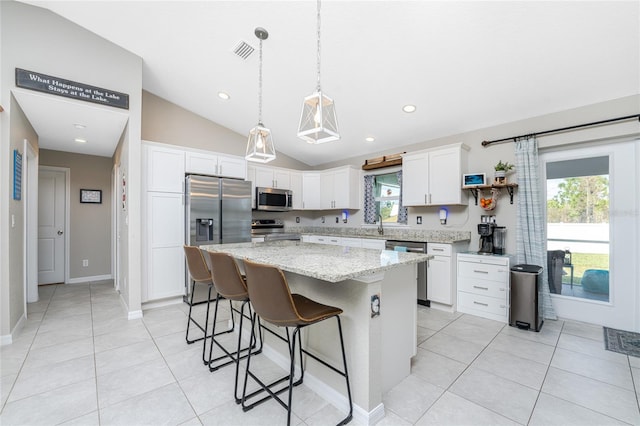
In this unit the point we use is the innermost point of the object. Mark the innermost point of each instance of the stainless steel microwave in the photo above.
(273, 199)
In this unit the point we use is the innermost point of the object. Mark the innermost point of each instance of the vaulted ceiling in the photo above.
(465, 65)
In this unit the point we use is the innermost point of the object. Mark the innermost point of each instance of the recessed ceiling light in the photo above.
(80, 140)
(409, 108)
(224, 95)
(79, 126)
(369, 139)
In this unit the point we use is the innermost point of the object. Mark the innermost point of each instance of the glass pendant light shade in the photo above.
(260, 148)
(318, 121)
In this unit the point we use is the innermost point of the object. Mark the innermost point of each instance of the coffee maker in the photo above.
(499, 239)
(486, 237)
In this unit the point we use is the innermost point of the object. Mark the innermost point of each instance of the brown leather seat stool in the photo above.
(230, 284)
(200, 275)
(273, 302)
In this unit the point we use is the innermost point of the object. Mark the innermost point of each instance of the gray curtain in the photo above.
(531, 233)
(370, 212)
(403, 214)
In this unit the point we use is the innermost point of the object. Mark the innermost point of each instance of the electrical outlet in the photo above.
(322, 219)
(85, 263)
(419, 220)
(297, 219)
(337, 220)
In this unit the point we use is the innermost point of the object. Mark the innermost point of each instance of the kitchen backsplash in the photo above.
(406, 234)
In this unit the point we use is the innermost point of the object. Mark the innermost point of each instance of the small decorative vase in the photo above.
(500, 177)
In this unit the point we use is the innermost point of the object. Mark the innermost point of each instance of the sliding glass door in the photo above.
(578, 227)
(592, 247)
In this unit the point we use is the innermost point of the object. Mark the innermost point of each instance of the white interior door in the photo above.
(51, 226)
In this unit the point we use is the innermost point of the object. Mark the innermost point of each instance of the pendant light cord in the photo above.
(318, 20)
(260, 87)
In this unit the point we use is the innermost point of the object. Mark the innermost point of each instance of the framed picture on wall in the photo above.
(91, 196)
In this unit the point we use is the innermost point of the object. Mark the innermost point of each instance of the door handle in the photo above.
(60, 232)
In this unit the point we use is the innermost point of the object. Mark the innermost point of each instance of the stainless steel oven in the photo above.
(414, 247)
(271, 230)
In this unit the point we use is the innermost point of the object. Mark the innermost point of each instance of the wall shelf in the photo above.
(475, 189)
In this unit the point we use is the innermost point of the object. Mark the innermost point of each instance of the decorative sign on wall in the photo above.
(70, 89)
(17, 175)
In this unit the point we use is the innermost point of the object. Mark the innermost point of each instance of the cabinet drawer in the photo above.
(483, 287)
(475, 302)
(483, 271)
(439, 249)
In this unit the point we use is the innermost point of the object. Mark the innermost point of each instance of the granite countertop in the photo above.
(324, 262)
(401, 234)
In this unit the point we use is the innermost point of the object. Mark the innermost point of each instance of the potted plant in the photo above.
(501, 171)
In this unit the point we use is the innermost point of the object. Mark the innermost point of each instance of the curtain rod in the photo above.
(595, 123)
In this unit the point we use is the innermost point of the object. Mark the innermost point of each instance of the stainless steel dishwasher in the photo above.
(414, 247)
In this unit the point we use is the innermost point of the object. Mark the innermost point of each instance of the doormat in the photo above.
(624, 342)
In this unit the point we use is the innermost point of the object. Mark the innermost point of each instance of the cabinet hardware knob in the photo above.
(481, 288)
(481, 304)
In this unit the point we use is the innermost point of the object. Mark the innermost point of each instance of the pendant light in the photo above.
(260, 146)
(318, 121)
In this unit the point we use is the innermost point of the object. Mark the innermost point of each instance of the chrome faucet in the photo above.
(380, 228)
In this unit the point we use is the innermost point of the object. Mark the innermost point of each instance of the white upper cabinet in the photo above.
(165, 168)
(339, 189)
(232, 166)
(433, 177)
(215, 164)
(310, 190)
(271, 177)
(296, 189)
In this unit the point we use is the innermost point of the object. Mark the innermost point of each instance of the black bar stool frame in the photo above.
(274, 302)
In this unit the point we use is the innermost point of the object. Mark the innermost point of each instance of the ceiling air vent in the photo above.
(243, 50)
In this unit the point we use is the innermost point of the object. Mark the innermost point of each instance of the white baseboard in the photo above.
(131, 315)
(8, 338)
(334, 397)
(152, 304)
(134, 314)
(82, 280)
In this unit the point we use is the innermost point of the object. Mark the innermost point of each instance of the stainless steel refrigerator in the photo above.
(218, 211)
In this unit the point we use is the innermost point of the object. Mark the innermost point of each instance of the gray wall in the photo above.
(90, 233)
(165, 122)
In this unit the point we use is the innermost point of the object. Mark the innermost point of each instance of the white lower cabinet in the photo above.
(483, 285)
(324, 239)
(367, 243)
(375, 244)
(441, 274)
(351, 242)
(439, 280)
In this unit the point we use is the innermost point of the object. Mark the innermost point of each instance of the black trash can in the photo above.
(525, 309)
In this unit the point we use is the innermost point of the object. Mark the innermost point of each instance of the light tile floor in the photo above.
(79, 361)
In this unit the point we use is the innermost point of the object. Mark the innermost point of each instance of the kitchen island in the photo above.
(376, 290)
